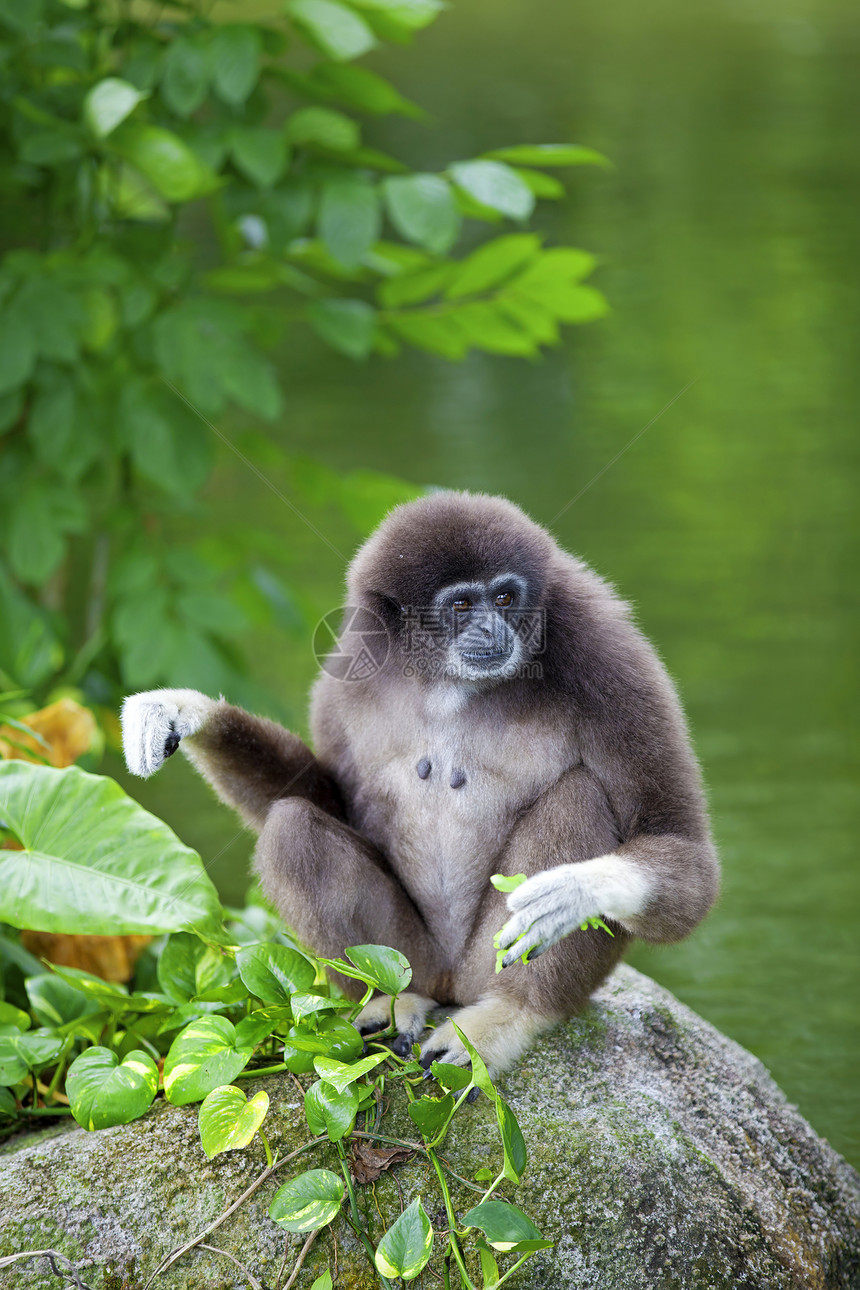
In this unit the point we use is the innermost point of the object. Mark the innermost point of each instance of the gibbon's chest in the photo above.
(439, 785)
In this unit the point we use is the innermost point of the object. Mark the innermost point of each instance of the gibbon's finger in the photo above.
(527, 945)
(514, 928)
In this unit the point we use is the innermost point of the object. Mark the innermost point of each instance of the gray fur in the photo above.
(589, 761)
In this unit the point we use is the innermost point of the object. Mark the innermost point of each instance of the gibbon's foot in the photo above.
(498, 1027)
(410, 1012)
(153, 723)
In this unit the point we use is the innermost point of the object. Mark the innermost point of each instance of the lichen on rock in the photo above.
(662, 1156)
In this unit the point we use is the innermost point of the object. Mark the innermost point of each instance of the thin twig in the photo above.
(50, 1255)
(307, 1245)
(171, 1258)
(255, 1285)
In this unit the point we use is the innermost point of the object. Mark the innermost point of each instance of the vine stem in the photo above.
(510, 1272)
(262, 1070)
(353, 1205)
(452, 1220)
(171, 1258)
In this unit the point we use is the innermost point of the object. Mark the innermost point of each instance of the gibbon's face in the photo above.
(479, 627)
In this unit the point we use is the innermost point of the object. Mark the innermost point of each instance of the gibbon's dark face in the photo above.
(459, 579)
(478, 624)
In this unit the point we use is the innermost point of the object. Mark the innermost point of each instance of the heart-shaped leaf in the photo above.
(187, 967)
(203, 1056)
(274, 972)
(332, 1037)
(109, 103)
(87, 863)
(406, 1247)
(430, 1113)
(341, 1075)
(22, 1051)
(56, 1002)
(103, 1090)
(12, 1016)
(329, 1110)
(451, 1076)
(228, 1120)
(385, 969)
(308, 1202)
(505, 1227)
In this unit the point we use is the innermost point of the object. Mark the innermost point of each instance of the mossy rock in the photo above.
(662, 1157)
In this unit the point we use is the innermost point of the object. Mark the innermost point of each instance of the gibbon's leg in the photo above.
(506, 1012)
(333, 888)
(249, 761)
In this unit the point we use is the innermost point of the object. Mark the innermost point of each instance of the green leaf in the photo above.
(333, 1037)
(407, 1245)
(188, 967)
(55, 1002)
(480, 1074)
(430, 1113)
(436, 332)
(22, 1051)
(505, 1227)
(413, 288)
(17, 350)
(323, 1283)
(235, 61)
(307, 1202)
(324, 127)
(451, 1076)
(422, 209)
(492, 264)
(349, 218)
(260, 154)
(549, 154)
(109, 103)
(333, 28)
(168, 163)
(486, 326)
(51, 147)
(202, 1057)
(503, 883)
(386, 969)
(55, 315)
(170, 445)
(340, 1074)
(228, 1120)
(184, 76)
(330, 1110)
(103, 1090)
(363, 89)
(310, 1005)
(546, 186)
(349, 326)
(87, 864)
(273, 972)
(8, 1108)
(513, 1142)
(496, 185)
(489, 1266)
(110, 994)
(12, 1016)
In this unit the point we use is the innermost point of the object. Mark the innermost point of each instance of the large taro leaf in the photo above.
(94, 861)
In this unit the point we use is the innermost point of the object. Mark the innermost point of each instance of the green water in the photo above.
(729, 237)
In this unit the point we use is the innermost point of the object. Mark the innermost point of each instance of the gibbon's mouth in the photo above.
(486, 656)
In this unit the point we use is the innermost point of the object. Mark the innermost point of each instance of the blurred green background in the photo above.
(728, 236)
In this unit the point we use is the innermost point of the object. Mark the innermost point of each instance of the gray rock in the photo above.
(662, 1157)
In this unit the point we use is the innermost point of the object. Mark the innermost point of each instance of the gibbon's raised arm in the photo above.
(250, 761)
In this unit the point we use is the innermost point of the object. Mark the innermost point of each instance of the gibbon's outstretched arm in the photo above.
(249, 761)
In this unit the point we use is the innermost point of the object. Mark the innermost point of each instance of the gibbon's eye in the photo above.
(503, 600)
(461, 604)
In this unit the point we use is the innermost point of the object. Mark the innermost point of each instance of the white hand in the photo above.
(545, 908)
(154, 722)
(558, 901)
